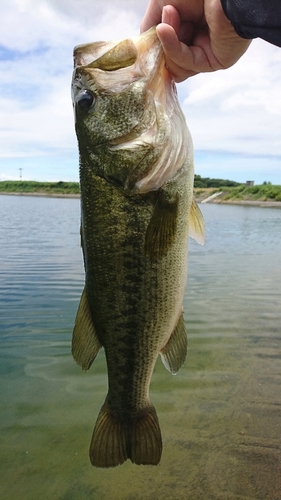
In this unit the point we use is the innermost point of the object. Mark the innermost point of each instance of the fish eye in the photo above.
(85, 99)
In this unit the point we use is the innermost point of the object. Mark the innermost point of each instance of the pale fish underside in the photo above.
(137, 209)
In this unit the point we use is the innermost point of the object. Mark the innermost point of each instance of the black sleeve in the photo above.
(255, 18)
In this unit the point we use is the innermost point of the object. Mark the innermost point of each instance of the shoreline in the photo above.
(45, 195)
(257, 203)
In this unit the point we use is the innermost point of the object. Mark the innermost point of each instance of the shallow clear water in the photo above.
(220, 416)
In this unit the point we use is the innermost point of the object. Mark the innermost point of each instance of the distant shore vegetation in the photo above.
(31, 187)
(207, 182)
(262, 192)
(203, 187)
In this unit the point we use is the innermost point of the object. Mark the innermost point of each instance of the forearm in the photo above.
(255, 18)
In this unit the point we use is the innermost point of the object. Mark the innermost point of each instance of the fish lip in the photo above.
(84, 55)
(122, 143)
(139, 139)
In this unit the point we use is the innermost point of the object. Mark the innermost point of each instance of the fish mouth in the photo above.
(115, 65)
(116, 55)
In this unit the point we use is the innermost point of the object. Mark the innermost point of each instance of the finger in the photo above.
(183, 29)
(152, 16)
(171, 16)
(182, 60)
(177, 55)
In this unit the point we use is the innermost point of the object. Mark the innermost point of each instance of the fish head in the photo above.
(129, 125)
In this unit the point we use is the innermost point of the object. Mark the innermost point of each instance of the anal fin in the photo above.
(174, 352)
(85, 343)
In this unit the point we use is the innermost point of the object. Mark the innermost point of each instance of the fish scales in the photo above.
(134, 239)
(142, 293)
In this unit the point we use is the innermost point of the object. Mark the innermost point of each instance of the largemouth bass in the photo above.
(136, 180)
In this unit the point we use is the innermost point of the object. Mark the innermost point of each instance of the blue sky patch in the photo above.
(7, 54)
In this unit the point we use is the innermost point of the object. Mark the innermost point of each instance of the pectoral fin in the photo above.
(174, 353)
(196, 224)
(161, 231)
(85, 343)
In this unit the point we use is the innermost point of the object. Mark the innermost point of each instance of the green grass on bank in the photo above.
(263, 192)
(39, 187)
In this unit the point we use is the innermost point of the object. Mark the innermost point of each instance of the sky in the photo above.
(234, 115)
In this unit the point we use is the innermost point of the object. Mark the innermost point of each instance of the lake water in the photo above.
(220, 416)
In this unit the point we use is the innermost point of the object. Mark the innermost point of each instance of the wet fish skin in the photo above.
(135, 209)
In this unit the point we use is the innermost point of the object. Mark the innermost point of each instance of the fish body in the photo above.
(136, 181)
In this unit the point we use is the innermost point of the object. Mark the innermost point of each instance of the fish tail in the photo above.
(108, 446)
(114, 440)
(146, 440)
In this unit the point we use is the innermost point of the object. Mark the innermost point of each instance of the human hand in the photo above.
(195, 34)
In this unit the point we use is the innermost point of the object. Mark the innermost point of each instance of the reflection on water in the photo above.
(220, 416)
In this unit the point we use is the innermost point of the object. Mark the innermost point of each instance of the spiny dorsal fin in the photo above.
(124, 54)
(161, 231)
(196, 223)
(85, 343)
(174, 353)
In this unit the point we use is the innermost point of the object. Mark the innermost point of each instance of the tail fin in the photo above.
(114, 440)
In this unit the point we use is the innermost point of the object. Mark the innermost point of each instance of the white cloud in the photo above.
(238, 110)
(35, 102)
(28, 24)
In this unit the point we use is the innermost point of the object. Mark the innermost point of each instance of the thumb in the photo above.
(152, 16)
